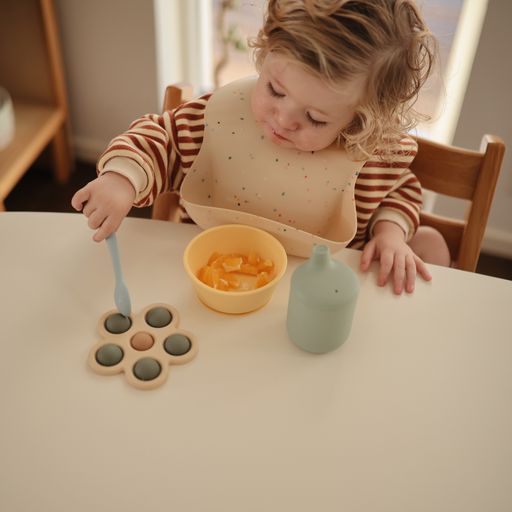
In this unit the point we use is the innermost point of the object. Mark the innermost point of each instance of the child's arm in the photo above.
(151, 157)
(132, 170)
(393, 224)
(142, 155)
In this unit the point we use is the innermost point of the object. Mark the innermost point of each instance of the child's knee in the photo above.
(429, 244)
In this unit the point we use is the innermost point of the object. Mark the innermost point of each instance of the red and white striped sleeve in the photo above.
(157, 150)
(388, 190)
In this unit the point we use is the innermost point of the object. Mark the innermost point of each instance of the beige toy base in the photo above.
(132, 355)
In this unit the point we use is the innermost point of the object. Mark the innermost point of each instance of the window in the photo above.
(455, 23)
(233, 23)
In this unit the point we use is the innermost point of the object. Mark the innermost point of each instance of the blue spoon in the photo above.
(121, 295)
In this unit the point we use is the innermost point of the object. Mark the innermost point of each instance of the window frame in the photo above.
(184, 35)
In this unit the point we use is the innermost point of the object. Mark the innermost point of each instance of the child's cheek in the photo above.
(255, 104)
(258, 103)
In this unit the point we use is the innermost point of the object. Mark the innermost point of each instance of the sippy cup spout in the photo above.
(320, 256)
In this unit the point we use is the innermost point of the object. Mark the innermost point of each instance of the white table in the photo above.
(412, 413)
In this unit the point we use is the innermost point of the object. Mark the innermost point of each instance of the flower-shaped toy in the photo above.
(142, 346)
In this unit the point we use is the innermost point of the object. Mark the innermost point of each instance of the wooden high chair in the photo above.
(463, 174)
(442, 168)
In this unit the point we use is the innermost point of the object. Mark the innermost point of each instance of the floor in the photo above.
(37, 192)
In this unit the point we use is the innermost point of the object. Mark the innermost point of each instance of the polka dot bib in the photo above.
(240, 176)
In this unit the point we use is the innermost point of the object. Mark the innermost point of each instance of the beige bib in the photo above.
(239, 176)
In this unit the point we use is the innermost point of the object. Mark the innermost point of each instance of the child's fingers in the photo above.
(79, 198)
(410, 271)
(106, 229)
(399, 274)
(96, 219)
(386, 265)
(422, 269)
(367, 256)
(89, 208)
(101, 234)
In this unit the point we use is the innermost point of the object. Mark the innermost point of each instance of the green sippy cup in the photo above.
(323, 295)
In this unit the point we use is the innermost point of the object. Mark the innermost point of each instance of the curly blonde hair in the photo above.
(336, 40)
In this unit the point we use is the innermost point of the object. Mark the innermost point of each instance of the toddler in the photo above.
(331, 73)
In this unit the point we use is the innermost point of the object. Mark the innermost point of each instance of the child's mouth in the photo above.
(279, 137)
(273, 134)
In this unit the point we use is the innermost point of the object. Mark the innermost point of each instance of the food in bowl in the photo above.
(230, 243)
(236, 272)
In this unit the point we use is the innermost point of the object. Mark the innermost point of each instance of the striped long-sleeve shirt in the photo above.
(158, 150)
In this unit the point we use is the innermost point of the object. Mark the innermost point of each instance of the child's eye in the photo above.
(273, 92)
(314, 122)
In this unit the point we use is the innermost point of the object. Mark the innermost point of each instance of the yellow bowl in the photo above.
(234, 238)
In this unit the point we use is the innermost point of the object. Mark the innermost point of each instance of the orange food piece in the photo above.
(209, 276)
(226, 271)
(222, 284)
(232, 263)
(233, 281)
(215, 256)
(253, 258)
(262, 279)
(265, 266)
(248, 269)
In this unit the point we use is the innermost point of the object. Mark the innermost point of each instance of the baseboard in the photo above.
(88, 150)
(497, 242)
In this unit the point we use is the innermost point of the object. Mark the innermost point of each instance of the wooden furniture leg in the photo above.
(61, 154)
(166, 207)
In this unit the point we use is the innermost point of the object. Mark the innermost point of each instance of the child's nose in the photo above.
(287, 119)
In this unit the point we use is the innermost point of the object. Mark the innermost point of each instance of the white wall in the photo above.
(109, 57)
(487, 108)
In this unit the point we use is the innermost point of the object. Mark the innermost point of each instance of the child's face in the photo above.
(297, 110)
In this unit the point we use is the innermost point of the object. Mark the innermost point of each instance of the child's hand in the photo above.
(388, 245)
(105, 201)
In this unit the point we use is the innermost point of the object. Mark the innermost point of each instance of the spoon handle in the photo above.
(121, 295)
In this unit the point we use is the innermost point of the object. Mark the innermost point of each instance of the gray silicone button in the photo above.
(147, 368)
(117, 323)
(158, 317)
(109, 354)
(177, 344)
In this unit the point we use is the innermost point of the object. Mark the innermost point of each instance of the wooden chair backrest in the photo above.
(445, 169)
(176, 94)
(463, 174)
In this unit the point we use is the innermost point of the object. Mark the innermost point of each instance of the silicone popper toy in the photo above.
(323, 296)
(142, 346)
